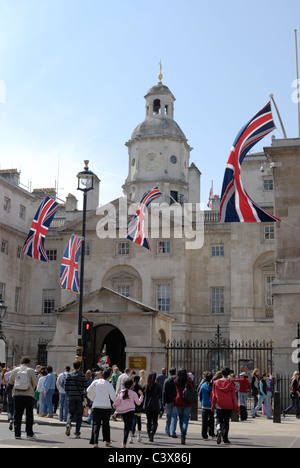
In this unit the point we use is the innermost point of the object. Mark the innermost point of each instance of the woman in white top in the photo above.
(102, 394)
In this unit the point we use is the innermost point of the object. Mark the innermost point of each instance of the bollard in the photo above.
(277, 409)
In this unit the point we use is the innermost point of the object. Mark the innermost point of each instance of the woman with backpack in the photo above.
(183, 403)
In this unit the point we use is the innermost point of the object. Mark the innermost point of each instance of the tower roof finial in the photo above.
(160, 75)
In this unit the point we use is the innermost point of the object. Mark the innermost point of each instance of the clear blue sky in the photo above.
(76, 73)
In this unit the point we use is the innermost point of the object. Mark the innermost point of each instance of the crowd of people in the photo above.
(109, 394)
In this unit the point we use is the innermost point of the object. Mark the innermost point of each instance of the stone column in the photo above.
(284, 159)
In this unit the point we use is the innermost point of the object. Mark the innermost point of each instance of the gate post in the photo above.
(277, 409)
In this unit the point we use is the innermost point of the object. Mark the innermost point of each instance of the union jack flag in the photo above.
(34, 244)
(69, 266)
(236, 205)
(136, 231)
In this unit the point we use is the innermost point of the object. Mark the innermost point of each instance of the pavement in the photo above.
(253, 433)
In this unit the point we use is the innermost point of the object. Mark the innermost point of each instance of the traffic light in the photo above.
(87, 331)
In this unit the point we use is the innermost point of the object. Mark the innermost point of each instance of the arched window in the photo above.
(156, 107)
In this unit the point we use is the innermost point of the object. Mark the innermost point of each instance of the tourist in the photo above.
(243, 389)
(63, 399)
(208, 421)
(152, 407)
(49, 387)
(262, 397)
(75, 385)
(224, 401)
(101, 392)
(168, 396)
(24, 381)
(255, 385)
(137, 417)
(294, 392)
(125, 405)
(40, 389)
(183, 407)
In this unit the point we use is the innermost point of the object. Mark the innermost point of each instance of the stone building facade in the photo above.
(136, 299)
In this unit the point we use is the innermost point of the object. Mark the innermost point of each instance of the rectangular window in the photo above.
(268, 185)
(87, 249)
(217, 250)
(217, 300)
(22, 211)
(124, 290)
(48, 301)
(4, 247)
(269, 233)
(2, 291)
(52, 255)
(163, 297)
(269, 280)
(7, 204)
(17, 300)
(164, 247)
(123, 248)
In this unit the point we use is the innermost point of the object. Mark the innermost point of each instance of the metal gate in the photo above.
(213, 355)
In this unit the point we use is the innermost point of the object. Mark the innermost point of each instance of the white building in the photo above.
(138, 299)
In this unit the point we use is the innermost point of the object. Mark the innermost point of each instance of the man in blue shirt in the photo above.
(49, 387)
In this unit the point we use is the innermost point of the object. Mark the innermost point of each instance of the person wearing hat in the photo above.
(224, 400)
(244, 387)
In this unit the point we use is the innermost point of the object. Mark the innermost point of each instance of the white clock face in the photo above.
(151, 161)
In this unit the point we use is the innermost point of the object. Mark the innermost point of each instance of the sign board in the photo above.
(137, 363)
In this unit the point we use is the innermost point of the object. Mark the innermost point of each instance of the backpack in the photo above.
(188, 396)
(22, 381)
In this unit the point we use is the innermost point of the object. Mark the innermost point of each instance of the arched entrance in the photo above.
(113, 339)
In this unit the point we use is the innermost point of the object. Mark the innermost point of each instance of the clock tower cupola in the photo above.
(158, 151)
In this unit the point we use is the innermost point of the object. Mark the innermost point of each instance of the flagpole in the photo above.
(298, 84)
(281, 123)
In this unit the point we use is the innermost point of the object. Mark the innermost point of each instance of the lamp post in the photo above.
(85, 184)
(3, 310)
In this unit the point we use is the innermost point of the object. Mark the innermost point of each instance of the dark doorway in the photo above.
(113, 340)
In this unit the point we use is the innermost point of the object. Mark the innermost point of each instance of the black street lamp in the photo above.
(85, 184)
(3, 310)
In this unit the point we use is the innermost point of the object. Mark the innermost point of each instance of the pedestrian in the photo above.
(168, 396)
(262, 397)
(295, 394)
(243, 389)
(9, 398)
(255, 385)
(183, 407)
(24, 381)
(153, 398)
(125, 405)
(115, 375)
(75, 386)
(63, 399)
(122, 379)
(224, 401)
(137, 417)
(270, 391)
(160, 379)
(143, 376)
(40, 389)
(49, 387)
(208, 421)
(102, 393)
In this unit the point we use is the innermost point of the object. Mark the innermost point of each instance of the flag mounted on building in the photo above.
(210, 197)
(34, 244)
(236, 205)
(69, 266)
(136, 231)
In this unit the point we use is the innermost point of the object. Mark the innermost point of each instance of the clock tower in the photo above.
(159, 153)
